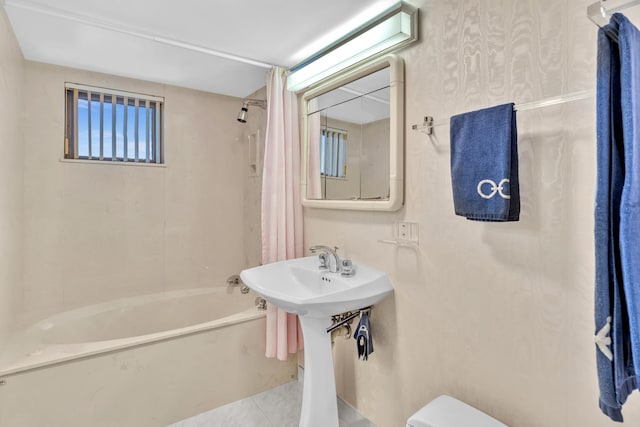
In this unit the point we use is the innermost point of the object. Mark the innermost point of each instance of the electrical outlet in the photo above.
(406, 232)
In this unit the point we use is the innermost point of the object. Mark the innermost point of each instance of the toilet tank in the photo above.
(445, 411)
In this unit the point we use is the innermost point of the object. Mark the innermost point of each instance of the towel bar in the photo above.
(346, 317)
(428, 123)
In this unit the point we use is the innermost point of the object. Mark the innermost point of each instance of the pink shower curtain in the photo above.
(281, 207)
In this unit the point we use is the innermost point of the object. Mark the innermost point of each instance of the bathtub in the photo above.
(144, 361)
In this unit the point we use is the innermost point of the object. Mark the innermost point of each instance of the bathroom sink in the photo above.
(298, 286)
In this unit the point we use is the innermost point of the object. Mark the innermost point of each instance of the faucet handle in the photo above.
(347, 268)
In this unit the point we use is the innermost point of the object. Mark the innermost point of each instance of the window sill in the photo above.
(98, 162)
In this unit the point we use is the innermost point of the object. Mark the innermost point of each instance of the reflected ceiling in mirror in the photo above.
(366, 88)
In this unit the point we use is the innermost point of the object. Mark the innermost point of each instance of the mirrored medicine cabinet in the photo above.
(353, 138)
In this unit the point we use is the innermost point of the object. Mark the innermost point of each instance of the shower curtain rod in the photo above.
(428, 123)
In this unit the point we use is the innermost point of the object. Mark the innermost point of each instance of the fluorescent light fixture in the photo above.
(395, 28)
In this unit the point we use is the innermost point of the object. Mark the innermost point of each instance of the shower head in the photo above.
(242, 115)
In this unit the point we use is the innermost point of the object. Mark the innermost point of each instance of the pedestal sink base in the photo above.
(319, 401)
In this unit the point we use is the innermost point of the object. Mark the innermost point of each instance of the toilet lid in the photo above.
(445, 411)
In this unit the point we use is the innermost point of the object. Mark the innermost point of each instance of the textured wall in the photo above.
(100, 231)
(256, 125)
(498, 315)
(11, 182)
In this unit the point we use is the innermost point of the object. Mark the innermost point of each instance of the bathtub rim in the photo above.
(61, 353)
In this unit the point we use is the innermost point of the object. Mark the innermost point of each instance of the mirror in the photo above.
(353, 138)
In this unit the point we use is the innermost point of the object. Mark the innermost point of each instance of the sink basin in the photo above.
(300, 287)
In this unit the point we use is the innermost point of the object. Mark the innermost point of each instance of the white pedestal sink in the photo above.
(300, 287)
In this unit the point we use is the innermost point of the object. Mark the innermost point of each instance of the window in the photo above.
(114, 126)
(333, 149)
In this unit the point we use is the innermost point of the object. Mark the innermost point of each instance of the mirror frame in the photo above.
(396, 134)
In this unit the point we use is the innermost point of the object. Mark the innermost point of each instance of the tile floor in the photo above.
(278, 407)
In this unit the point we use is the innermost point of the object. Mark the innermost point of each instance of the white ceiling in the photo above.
(181, 42)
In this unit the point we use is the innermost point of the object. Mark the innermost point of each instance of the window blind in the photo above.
(333, 150)
(113, 125)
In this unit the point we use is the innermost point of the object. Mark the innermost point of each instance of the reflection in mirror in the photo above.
(348, 140)
(353, 138)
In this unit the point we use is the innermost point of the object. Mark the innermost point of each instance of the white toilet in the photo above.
(445, 411)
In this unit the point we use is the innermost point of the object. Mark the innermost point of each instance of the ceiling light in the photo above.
(395, 28)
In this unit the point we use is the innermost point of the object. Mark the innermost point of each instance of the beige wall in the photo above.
(374, 168)
(11, 126)
(498, 315)
(102, 231)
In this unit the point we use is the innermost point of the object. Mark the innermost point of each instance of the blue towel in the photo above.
(364, 341)
(617, 219)
(484, 164)
(629, 46)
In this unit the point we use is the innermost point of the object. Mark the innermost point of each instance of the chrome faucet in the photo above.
(326, 252)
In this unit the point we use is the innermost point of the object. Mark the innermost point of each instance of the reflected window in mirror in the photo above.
(333, 153)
